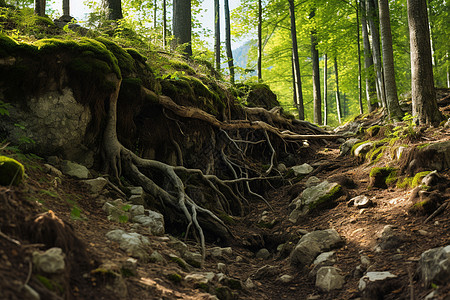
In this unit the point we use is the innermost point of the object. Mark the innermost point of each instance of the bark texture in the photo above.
(113, 9)
(182, 24)
(228, 41)
(217, 33)
(316, 77)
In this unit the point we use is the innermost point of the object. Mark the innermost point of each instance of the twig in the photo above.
(436, 212)
(116, 188)
(273, 153)
(30, 271)
(9, 239)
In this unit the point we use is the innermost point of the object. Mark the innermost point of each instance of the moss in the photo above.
(375, 154)
(174, 277)
(124, 59)
(330, 196)
(373, 131)
(136, 55)
(179, 262)
(355, 146)
(418, 178)
(202, 286)
(226, 218)
(182, 66)
(11, 171)
(423, 145)
(234, 284)
(381, 177)
(50, 284)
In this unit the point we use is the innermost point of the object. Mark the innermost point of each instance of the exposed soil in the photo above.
(41, 192)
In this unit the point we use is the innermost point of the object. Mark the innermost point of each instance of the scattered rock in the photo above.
(219, 252)
(50, 261)
(136, 190)
(117, 211)
(329, 278)
(263, 254)
(192, 258)
(52, 170)
(133, 243)
(222, 268)
(322, 260)
(313, 197)
(435, 157)
(302, 170)
(109, 273)
(137, 210)
(348, 145)
(285, 278)
(389, 238)
(179, 261)
(96, 185)
(248, 284)
(129, 266)
(361, 201)
(266, 272)
(74, 170)
(431, 179)
(203, 278)
(177, 245)
(137, 199)
(282, 168)
(156, 257)
(154, 221)
(365, 261)
(312, 181)
(374, 284)
(434, 266)
(312, 244)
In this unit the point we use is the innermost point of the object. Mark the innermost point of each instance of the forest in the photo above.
(295, 149)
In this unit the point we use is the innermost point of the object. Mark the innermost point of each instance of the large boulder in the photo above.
(322, 194)
(433, 157)
(434, 266)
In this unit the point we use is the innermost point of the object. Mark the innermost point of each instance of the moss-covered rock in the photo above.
(382, 177)
(11, 171)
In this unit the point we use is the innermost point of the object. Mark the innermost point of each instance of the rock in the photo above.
(362, 149)
(52, 170)
(348, 145)
(323, 260)
(156, 257)
(74, 170)
(312, 181)
(50, 261)
(129, 266)
(109, 273)
(399, 152)
(312, 244)
(329, 278)
(266, 272)
(313, 197)
(136, 199)
(219, 252)
(365, 261)
(11, 171)
(137, 210)
(433, 157)
(431, 179)
(193, 258)
(203, 278)
(96, 185)
(434, 266)
(133, 243)
(178, 245)
(248, 284)
(374, 284)
(302, 170)
(179, 261)
(389, 238)
(117, 211)
(263, 254)
(282, 168)
(154, 221)
(361, 201)
(350, 128)
(136, 190)
(222, 268)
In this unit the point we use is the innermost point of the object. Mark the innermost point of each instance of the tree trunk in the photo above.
(66, 8)
(372, 17)
(217, 33)
(294, 84)
(316, 76)
(361, 109)
(368, 63)
(39, 7)
(164, 23)
(259, 40)
(325, 91)
(182, 24)
(113, 9)
(296, 63)
(228, 41)
(393, 106)
(155, 10)
(424, 105)
(338, 96)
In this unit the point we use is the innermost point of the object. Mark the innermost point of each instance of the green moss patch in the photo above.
(327, 198)
(382, 177)
(174, 277)
(412, 182)
(11, 171)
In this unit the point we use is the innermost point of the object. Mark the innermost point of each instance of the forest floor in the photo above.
(359, 228)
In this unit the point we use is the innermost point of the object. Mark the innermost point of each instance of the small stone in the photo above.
(137, 210)
(156, 257)
(136, 199)
(136, 190)
(266, 272)
(286, 278)
(302, 169)
(248, 284)
(74, 170)
(96, 185)
(239, 259)
(361, 201)
(329, 278)
(50, 261)
(312, 181)
(263, 254)
(365, 261)
(52, 170)
(222, 268)
(282, 168)
(423, 232)
(130, 266)
(192, 258)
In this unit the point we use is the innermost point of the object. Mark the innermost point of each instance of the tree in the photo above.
(182, 27)
(316, 76)
(368, 62)
(325, 91)
(228, 41)
(361, 110)
(164, 23)
(296, 64)
(217, 33)
(424, 105)
(259, 40)
(112, 9)
(39, 7)
(66, 8)
(338, 95)
(393, 107)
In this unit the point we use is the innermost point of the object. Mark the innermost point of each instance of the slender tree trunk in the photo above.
(155, 10)
(164, 24)
(338, 96)
(113, 9)
(259, 40)
(424, 105)
(182, 24)
(228, 41)
(325, 91)
(316, 76)
(372, 17)
(217, 33)
(66, 8)
(39, 7)
(295, 58)
(361, 109)
(393, 106)
(368, 63)
(294, 84)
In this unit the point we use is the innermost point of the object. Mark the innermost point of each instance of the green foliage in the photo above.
(11, 171)
(174, 277)
(4, 108)
(50, 284)
(412, 182)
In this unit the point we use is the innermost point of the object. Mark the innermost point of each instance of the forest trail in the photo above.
(245, 276)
